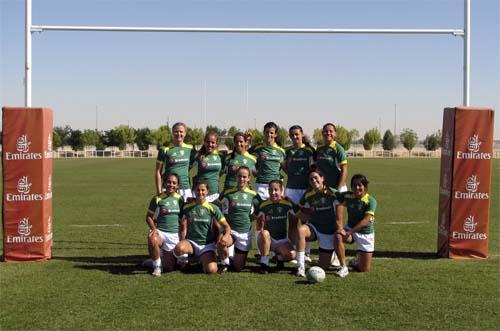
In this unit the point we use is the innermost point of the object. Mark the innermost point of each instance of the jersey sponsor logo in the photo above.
(233, 169)
(263, 156)
(469, 229)
(204, 164)
(473, 148)
(472, 187)
(24, 234)
(23, 192)
(23, 147)
(164, 211)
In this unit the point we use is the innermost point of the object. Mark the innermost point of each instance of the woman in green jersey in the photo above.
(275, 218)
(360, 222)
(269, 156)
(201, 227)
(238, 205)
(331, 159)
(176, 158)
(208, 165)
(163, 220)
(239, 157)
(319, 207)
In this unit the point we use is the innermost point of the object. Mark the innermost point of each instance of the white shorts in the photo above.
(199, 250)
(294, 194)
(169, 240)
(364, 242)
(276, 243)
(325, 241)
(212, 197)
(186, 193)
(262, 190)
(242, 241)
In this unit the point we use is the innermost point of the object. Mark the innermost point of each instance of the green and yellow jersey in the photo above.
(208, 168)
(199, 219)
(323, 206)
(275, 215)
(357, 208)
(298, 165)
(238, 206)
(166, 211)
(329, 159)
(233, 162)
(269, 160)
(177, 160)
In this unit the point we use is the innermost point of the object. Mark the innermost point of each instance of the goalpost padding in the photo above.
(27, 184)
(465, 184)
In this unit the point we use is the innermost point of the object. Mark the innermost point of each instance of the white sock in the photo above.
(300, 259)
(264, 260)
(230, 251)
(157, 263)
(226, 261)
(183, 258)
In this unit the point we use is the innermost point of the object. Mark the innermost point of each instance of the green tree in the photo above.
(120, 136)
(143, 139)
(257, 137)
(371, 137)
(343, 137)
(409, 139)
(282, 136)
(90, 138)
(355, 137)
(56, 140)
(75, 140)
(194, 136)
(433, 141)
(64, 133)
(388, 141)
(318, 137)
(161, 136)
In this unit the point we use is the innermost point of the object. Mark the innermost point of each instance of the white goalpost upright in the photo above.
(465, 32)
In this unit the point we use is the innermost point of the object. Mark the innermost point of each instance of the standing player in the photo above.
(238, 205)
(239, 157)
(199, 230)
(208, 165)
(163, 221)
(176, 158)
(361, 217)
(297, 165)
(331, 159)
(269, 159)
(275, 216)
(320, 208)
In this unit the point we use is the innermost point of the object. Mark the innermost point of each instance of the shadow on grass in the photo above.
(116, 265)
(404, 255)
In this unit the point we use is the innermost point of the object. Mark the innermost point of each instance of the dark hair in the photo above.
(319, 172)
(179, 123)
(305, 140)
(327, 124)
(200, 182)
(276, 181)
(245, 168)
(166, 175)
(359, 178)
(203, 149)
(272, 125)
(245, 137)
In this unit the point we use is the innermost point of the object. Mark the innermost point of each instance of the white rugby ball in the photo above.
(315, 275)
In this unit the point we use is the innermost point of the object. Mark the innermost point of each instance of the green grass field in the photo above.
(95, 280)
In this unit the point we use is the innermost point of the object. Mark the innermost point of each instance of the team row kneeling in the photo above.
(204, 230)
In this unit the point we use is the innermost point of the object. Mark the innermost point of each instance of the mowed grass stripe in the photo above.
(95, 280)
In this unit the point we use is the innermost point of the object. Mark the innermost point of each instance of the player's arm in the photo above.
(224, 238)
(182, 228)
(367, 219)
(151, 222)
(159, 167)
(343, 175)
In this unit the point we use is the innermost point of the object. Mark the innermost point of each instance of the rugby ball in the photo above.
(315, 275)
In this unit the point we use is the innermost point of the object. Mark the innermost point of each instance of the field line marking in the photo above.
(94, 225)
(409, 222)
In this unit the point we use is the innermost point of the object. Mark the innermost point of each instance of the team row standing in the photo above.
(208, 162)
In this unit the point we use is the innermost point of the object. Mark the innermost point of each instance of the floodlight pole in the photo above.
(27, 64)
(465, 32)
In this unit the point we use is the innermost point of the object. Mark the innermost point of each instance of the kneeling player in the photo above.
(199, 233)
(360, 223)
(163, 221)
(274, 217)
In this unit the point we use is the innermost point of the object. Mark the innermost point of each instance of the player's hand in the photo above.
(152, 232)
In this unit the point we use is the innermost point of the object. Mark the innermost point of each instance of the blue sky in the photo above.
(147, 79)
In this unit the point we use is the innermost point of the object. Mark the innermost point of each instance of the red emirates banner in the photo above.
(465, 185)
(27, 183)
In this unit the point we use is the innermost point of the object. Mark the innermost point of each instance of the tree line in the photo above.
(124, 135)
